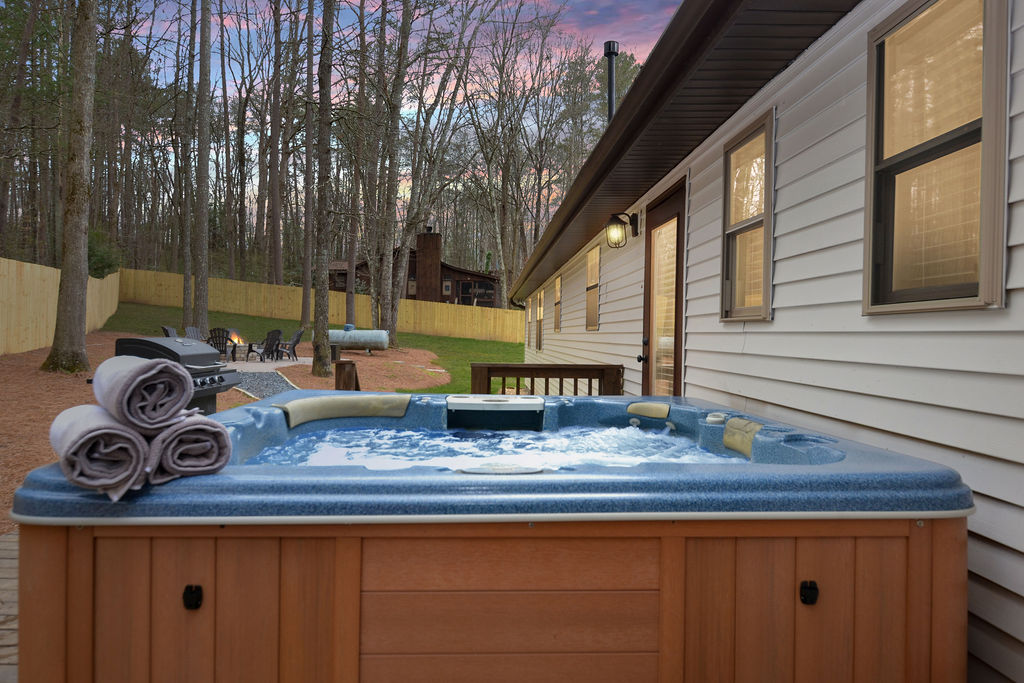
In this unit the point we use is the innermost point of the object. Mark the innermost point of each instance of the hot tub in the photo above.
(777, 557)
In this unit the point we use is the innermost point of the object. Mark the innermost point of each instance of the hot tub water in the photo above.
(389, 449)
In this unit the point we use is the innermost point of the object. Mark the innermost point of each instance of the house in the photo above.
(429, 278)
(828, 199)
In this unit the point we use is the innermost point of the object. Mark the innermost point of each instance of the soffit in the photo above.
(713, 57)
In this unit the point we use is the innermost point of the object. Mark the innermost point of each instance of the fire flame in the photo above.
(236, 338)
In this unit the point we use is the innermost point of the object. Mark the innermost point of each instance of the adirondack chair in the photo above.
(220, 339)
(288, 348)
(269, 347)
(193, 333)
(169, 331)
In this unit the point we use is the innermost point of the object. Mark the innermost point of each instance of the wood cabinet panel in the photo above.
(247, 635)
(766, 599)
(431, 564)
(122, 610)
(494, 622)
(880, 615)
(42, 595)
(183, 639)
(710, 611)
(495, 668)
(307, 609)
(495, 602)
(824, 630)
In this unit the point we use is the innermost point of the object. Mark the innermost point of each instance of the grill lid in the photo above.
(196, 356)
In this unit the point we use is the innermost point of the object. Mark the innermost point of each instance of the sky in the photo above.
(635, 24)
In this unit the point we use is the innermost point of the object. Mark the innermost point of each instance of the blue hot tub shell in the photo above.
(792, 473)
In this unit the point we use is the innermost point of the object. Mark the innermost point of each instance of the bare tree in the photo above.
(14, 117)
(321, 352)
(275, 274)
(68, 351)
(203, 173)
(307, 185)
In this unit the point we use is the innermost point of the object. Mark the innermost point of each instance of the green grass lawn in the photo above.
(454, 354)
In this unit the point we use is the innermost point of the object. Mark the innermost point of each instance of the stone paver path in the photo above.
(9, 608)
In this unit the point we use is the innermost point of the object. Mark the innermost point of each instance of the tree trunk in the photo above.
(276, 270)
(14, 119)
(321, 350)
(68, 351)
(203, 174)
(229, 198)
(307, 184)
(187, 315)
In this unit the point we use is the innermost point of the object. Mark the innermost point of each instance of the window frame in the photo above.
(529, 322)
(878, 297)
(727, 313)
(557, 305)
(540, 320)
(593, 291)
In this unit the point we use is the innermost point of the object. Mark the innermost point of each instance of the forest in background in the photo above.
(472, 116)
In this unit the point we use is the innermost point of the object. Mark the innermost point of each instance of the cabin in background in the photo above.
(429, 278)
(828, 199)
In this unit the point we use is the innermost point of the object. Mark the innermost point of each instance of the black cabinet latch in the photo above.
(192, 596)
(808, 592)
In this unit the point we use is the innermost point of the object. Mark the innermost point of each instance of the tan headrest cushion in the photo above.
(303, 410)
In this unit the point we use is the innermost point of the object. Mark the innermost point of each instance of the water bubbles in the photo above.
(386, 449)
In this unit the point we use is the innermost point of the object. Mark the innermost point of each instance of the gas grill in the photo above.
(209, 376)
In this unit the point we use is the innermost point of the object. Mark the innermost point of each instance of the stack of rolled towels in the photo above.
(141, 431)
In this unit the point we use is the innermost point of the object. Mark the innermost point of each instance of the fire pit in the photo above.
(209, 376)
(234, 337)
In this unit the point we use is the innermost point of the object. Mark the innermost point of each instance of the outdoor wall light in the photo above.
(615, 229)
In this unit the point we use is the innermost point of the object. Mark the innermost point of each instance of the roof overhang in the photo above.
(713, 57)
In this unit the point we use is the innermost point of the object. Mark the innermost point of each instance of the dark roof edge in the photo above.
(693, 25)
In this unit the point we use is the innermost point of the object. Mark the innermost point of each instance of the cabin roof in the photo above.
(342, 267)
(713, 56)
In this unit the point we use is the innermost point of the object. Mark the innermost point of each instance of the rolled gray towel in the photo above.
(98, 452)
(147, 394)
(196, 445)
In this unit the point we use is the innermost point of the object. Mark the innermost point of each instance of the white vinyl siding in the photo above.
(621, 307)
(946, 386)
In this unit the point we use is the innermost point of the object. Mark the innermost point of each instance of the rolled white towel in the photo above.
(195, 445)
(98, 452)
(148, 394)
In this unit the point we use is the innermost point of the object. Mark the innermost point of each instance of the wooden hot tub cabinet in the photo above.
(693, 601)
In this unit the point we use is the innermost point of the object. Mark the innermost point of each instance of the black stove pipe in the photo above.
(611, 50)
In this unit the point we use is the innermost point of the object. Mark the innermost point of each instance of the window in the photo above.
(558, 304)
(593, 286)
(540, 318)
(529, 322)
(935, 228)
(747, 237)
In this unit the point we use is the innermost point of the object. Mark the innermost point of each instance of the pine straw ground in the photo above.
(35, 398)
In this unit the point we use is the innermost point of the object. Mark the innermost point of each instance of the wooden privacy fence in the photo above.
(281, 301)
(547, 379)
(28, 301)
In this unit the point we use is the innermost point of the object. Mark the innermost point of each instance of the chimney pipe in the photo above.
(611, 49)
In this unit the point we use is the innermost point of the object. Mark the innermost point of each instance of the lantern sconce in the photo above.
(615, 228)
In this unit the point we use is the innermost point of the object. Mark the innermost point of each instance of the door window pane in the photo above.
(663, 308)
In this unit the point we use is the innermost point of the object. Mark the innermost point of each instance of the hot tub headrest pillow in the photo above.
(303, 410)
(739, 435)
